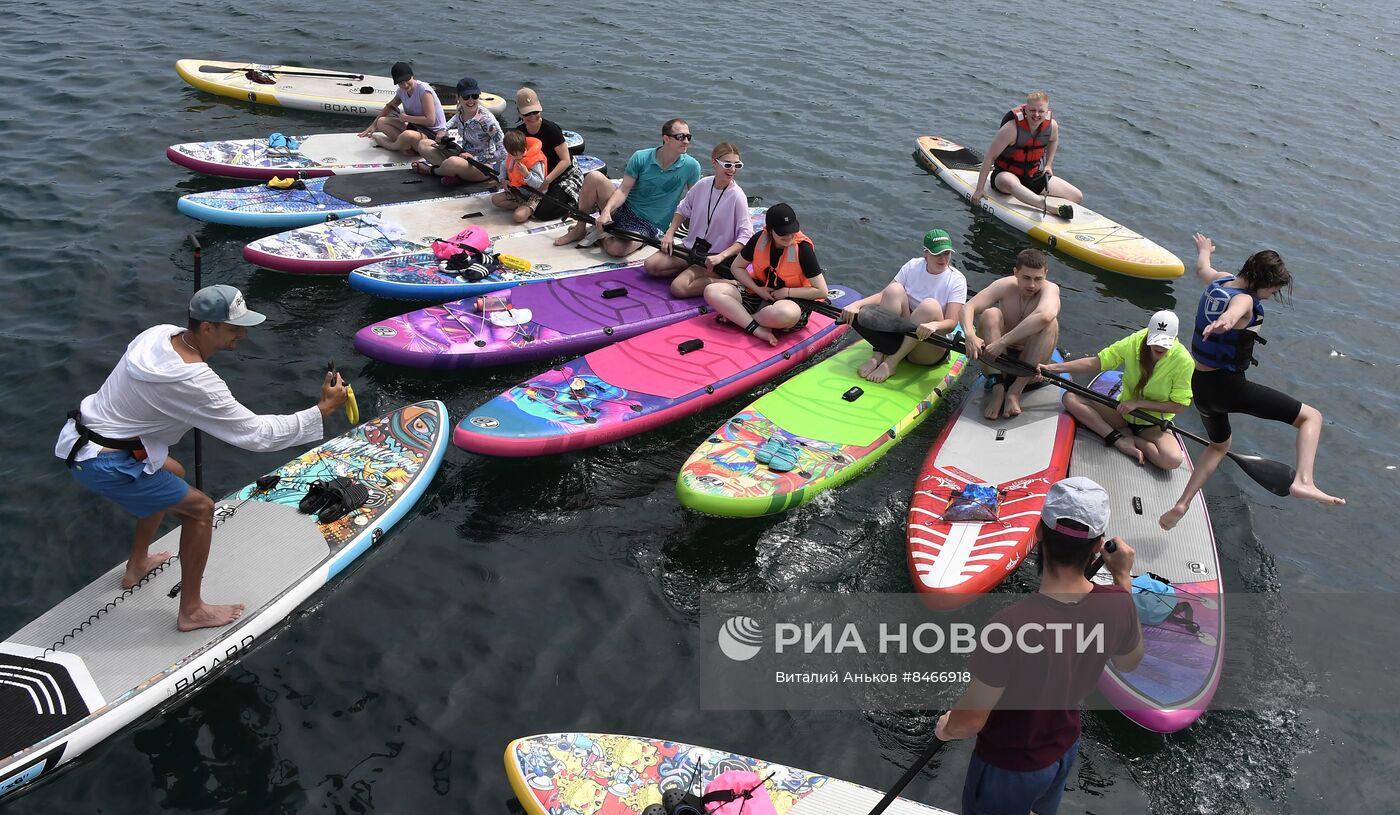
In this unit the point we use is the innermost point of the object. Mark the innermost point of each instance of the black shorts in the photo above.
(1217, 394)
(1035, 185)
(752, 304)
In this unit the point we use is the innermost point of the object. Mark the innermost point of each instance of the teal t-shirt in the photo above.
(657, 192)
(1171, 378)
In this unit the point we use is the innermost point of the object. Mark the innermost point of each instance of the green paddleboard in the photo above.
(837, 431)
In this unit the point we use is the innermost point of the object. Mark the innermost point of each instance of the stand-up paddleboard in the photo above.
(561, 773)
(1089, 236)
(954, 560)
(104, 657)
(527, 323)
(1181, 667)
(300, 88)
(316, 155)
(838, 422)
(263, 207)
(421, 276)
(638, 385)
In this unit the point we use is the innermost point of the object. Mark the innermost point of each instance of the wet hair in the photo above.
(514, 141)
(1038, 96)
(670, 123)
(1030, 259)
(1264, 270)
(1063, 550)
(724, 148)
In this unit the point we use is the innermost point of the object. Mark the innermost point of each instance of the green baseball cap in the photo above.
(937, 241)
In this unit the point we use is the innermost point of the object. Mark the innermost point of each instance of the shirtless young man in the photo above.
(1021, 158)
(1016, 315)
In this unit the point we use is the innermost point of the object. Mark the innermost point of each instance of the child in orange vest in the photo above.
(525, 167)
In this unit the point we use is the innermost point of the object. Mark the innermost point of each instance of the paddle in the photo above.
(198, 435)
(568, 206)
(1274, 476)
(914, 770)
(218, 69)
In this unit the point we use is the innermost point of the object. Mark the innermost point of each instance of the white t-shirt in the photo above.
(919, 285)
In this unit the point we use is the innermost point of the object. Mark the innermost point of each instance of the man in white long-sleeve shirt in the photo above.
(117, 443)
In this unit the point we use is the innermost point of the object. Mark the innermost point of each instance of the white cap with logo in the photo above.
(1162, 328)
(223, 304)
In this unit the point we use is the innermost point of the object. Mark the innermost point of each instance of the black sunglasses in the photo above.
(470, 95)
(680, 136)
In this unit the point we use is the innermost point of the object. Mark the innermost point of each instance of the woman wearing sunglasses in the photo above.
(562, 179)
(718, 212)
(414, 113)
(473, 131)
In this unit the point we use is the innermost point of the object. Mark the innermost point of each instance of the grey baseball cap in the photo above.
(1076, 499)
(223, 304)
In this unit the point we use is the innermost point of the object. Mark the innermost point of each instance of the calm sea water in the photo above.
(557, 594)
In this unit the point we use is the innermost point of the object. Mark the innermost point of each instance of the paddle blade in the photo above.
(1274, 476)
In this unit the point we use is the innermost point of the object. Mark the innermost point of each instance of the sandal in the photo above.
(765, 451)
(346, 496)
(277, 142)
(316, 497)
(784, 458)
(292, 144)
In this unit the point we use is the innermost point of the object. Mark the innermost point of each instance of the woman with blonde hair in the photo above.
(718, 212)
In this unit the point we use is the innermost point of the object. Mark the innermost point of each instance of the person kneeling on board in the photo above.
(1021, 157)
(783, 278)
(928, 294)
(1023, 704)
(1017, 315)
(1156, 379)
(117, 443)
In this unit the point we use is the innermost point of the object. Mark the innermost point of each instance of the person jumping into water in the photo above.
(1021, 158)
(1017, 315)
(1227, 326)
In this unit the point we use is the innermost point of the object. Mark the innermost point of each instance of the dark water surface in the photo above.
(556, 594)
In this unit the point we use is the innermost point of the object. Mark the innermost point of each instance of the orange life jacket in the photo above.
(788, 270)
(517, 168)
(1025, 155)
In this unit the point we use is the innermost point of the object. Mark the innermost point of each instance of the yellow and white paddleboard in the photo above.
(322, 89)
(1089, 236)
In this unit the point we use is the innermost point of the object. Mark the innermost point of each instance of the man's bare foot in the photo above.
(1170, 518)
(766, 334)
(1013, 405)
(1126, 446)
(1310, 491)
(875, 359)
(574, 235)
(994, 401)
(882, 372)
(136, 571)
(209, 616)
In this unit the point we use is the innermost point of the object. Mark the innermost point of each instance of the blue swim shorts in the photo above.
(991, 790)
(116, 475)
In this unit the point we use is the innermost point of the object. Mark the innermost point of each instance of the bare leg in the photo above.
(664, 265)
(140, 561)
(870, 364)
(1206, 466)
(1061, 188)
(1101, 421)
(1012, 186)
(1160, 448)
(724, 298)
(691, 281)
(461, 168)
(895, 300)
(196, 514)
(1036, 351)
(1309, 424)
(596, 191)
(929, 310)
(779, 315)
(620, 247)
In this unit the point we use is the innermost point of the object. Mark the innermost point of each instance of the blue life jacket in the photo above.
(1231, 350)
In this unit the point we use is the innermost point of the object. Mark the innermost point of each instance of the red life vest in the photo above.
(789, 268)
(516, 169)
(1025, 155)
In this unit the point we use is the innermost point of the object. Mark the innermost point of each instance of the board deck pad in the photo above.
(1089, 235)
(637, 385)
(1021, 457)
(567, 315)
(105, 655)
(1180, 669)
(561, 773)
(836, 439)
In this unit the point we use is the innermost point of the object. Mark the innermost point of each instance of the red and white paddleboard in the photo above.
(1021, 457)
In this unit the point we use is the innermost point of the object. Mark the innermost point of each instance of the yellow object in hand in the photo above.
(352, 408)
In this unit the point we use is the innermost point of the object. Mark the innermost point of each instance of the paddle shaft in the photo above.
(909, 775)
(198, 436)
(573, 210)
(323, 75)
(1274, 476)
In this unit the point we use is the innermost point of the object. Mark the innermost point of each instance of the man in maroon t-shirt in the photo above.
(1023, 703)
